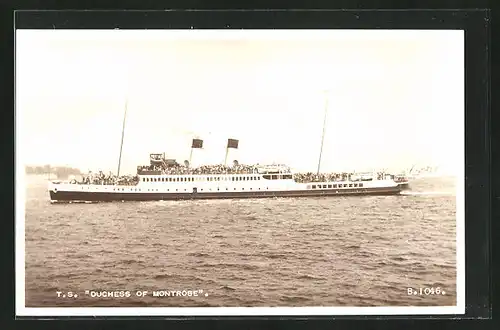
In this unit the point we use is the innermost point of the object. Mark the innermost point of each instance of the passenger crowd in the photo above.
(250, 169)
(330, 177)
(204, 169)
(108, 179)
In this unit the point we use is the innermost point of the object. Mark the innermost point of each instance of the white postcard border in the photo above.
(20, 195)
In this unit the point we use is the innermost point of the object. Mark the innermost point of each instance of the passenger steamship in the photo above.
(165, 179)
(259, 181)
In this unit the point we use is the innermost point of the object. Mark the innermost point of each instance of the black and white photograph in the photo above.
(239, 172)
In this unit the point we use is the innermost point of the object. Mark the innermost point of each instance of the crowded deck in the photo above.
(336, 177)
(101, 178)
(159, 165)
(201, 170)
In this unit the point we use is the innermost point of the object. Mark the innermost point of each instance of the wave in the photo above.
(428, 193)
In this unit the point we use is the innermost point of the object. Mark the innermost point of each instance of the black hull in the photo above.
(67, 196)
(404, 186)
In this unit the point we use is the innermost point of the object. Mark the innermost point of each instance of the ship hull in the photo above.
(84, 196)
(404, 185)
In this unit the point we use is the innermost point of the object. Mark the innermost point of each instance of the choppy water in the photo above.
(347, 251)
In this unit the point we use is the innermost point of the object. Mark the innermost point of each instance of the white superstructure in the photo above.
(272, 179)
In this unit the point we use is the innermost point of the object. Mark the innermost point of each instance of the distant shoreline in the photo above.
(56, 171)
(52, 176)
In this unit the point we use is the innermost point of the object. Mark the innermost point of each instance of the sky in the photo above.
(393, 98)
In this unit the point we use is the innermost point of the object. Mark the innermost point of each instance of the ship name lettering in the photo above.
(173, 293)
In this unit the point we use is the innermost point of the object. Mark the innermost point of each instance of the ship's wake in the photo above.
(428, 193)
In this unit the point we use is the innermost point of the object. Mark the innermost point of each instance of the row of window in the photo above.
(138, 189)
(341, 185)
(277, 177)
(204, 179)
(117, 189)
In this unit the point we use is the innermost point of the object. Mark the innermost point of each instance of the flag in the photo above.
(197, 144)
(232, 143)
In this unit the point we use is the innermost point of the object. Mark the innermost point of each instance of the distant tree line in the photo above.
(59, 171)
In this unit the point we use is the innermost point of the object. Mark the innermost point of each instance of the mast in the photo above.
(323, 135)
(123, 134)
